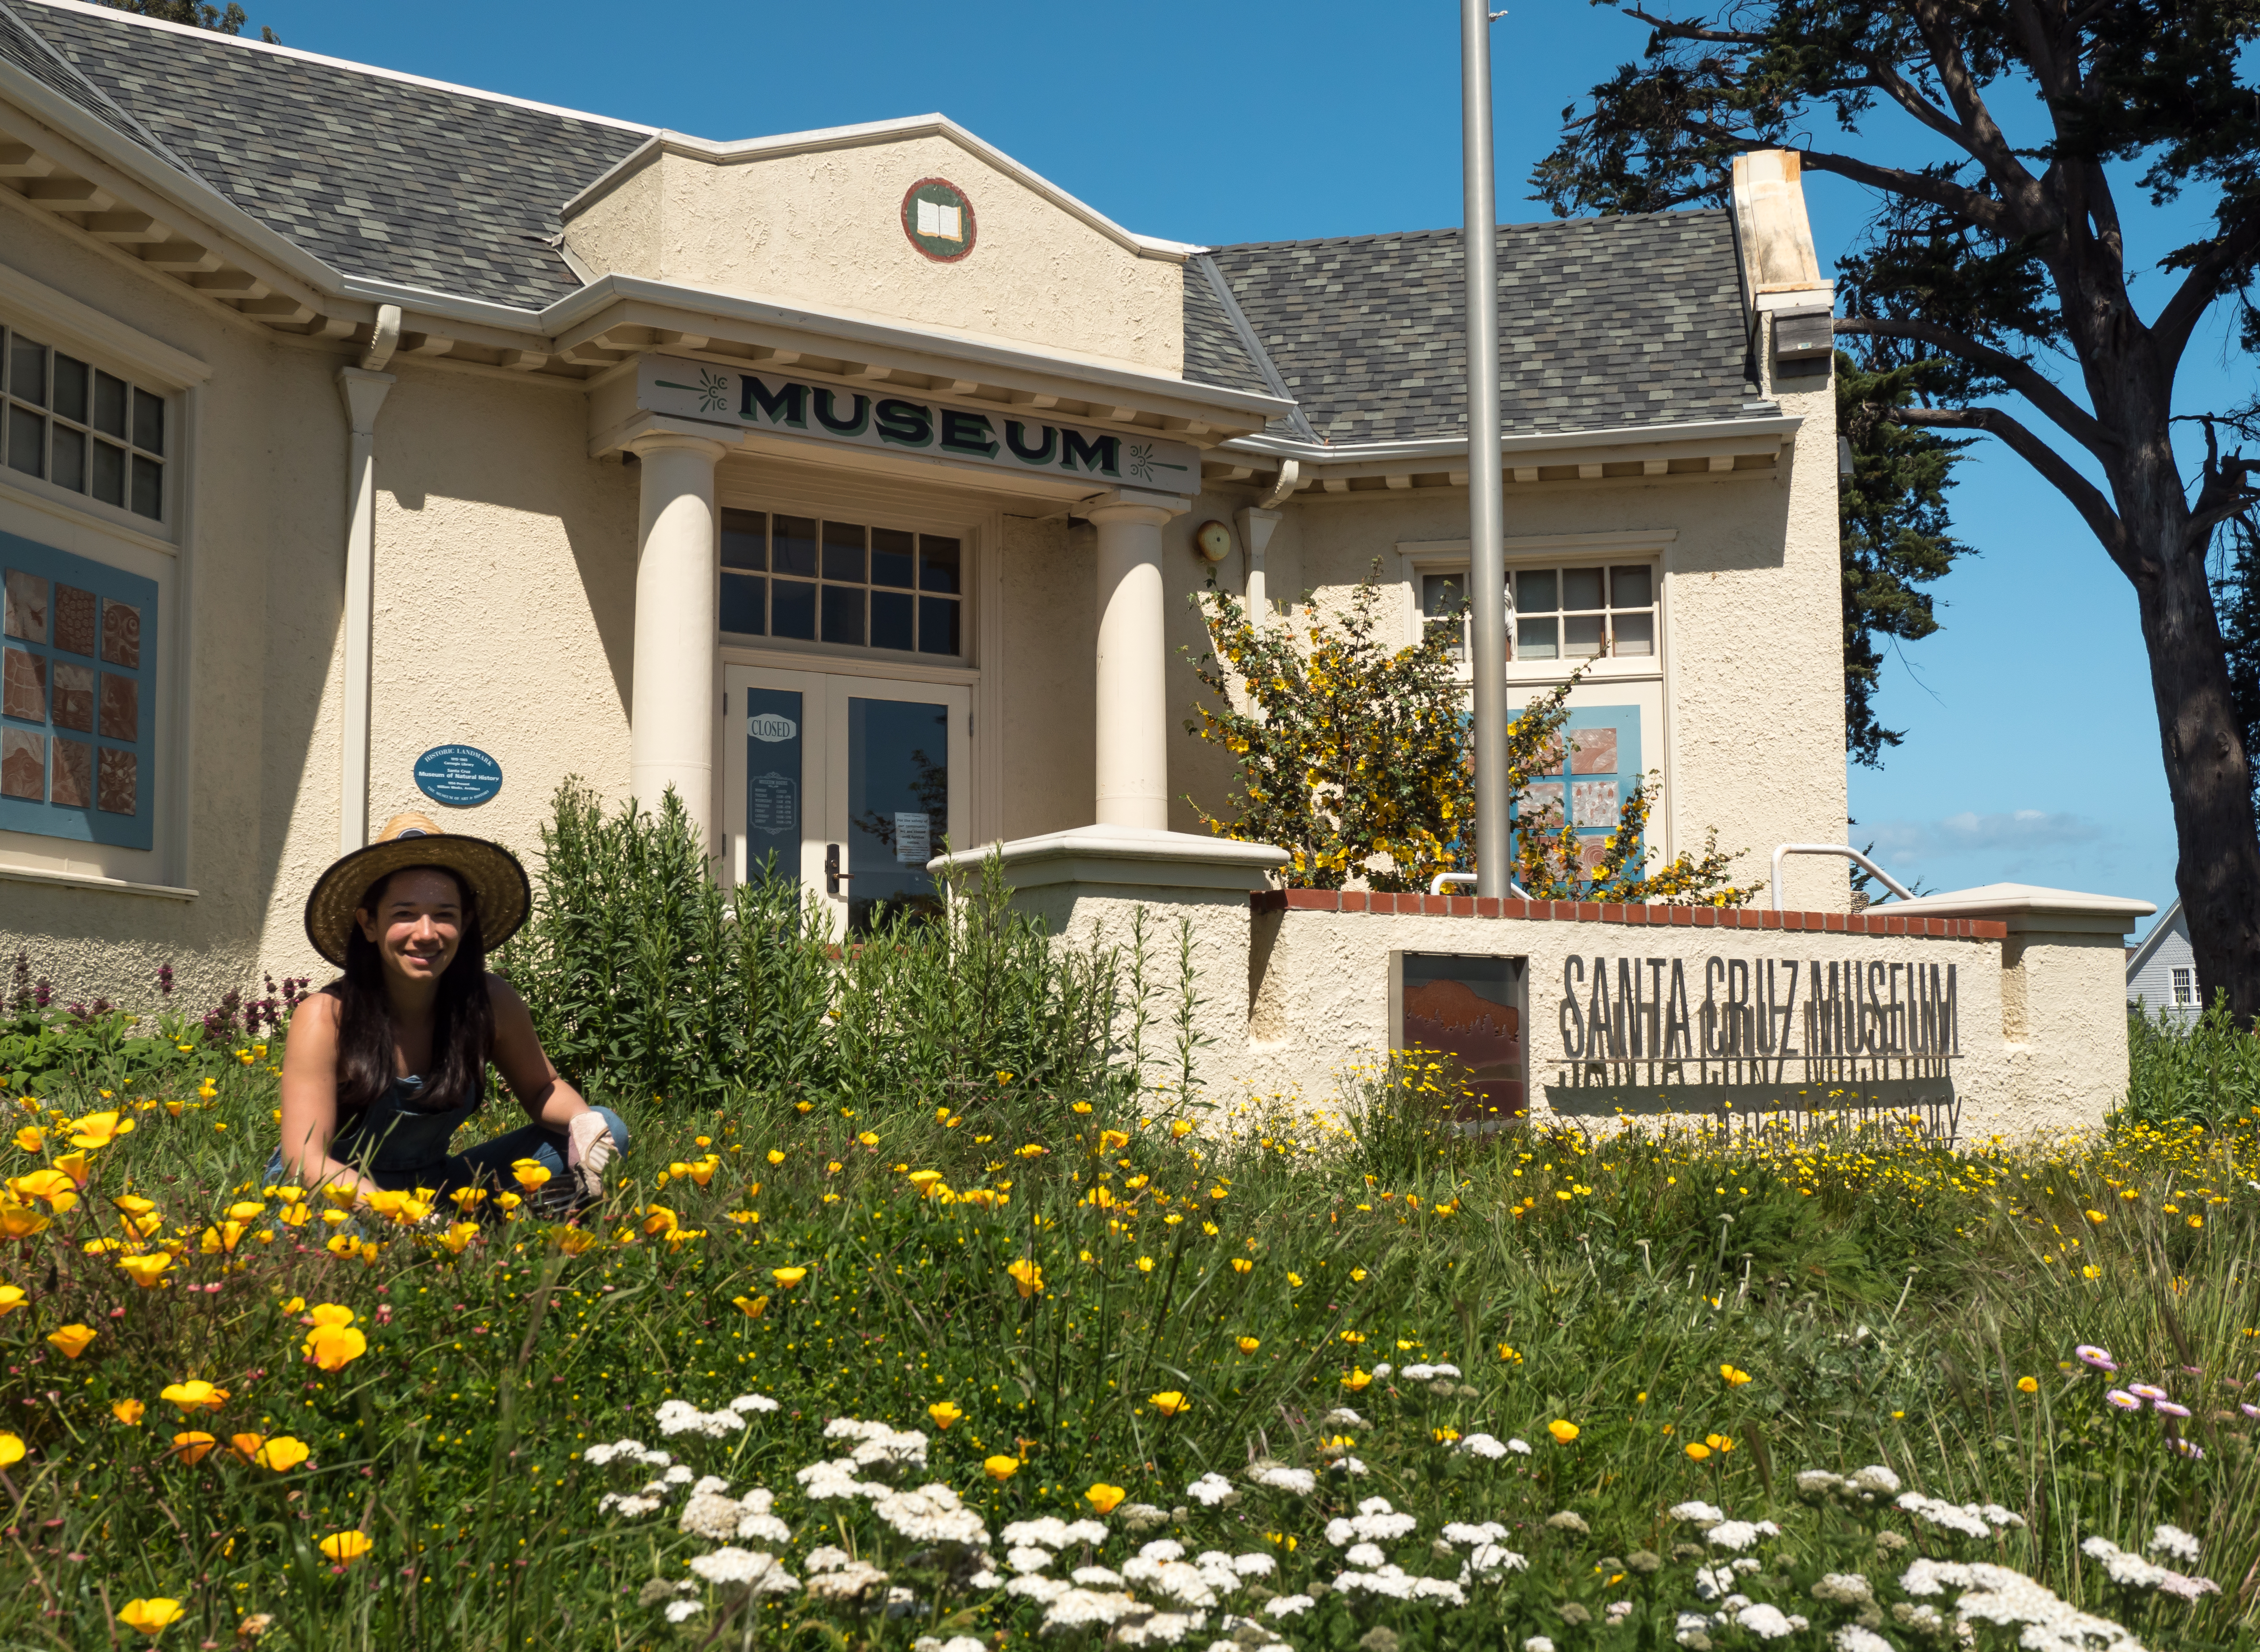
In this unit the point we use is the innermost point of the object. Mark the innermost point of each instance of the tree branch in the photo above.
(1985, 143)
(1981, 211)
(2085, 497)
(2021, 376)
(2208, 276)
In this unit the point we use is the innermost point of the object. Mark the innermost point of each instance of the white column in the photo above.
(1132, 745)
(363, 393)
(672, 719)
(1255, 529)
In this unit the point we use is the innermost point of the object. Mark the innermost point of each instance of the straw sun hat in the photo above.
(492, 872)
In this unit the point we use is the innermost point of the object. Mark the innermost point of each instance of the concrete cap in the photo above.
(1126, 854)
(2027, 906)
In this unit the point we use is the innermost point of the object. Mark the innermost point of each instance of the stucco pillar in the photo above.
(363, 393)
(1132, 740)
(672, 719)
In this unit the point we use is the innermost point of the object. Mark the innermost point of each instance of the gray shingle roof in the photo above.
(376, 176)
(1603, 322)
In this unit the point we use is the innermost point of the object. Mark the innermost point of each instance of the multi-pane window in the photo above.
(85, 430)
(1575, 613)
(2184, 988)
(1444, 607)
(804, 579)
(77, 689)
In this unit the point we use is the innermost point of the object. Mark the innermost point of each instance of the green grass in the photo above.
(1883, 1297)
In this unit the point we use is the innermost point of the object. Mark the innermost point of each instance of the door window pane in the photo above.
(891, 619)
(70, 387)
(1535, 591)
(746, 540)
(937, 626)
(843, 614)
(1581, 588)
(1631, 587)
(792, 610)
(1581, 636)
(67, 459)
(897, 807)
(1537, 639)
(109, 474)
(149, 422)
(744, 597)
(27, 441)
(773, 781)
(843, 554)
(28, 370)
(148, 487)
(894, 557)
(793, 547)
(938, 560)
(110, 405)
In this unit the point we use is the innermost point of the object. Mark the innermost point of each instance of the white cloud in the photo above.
(2020, 831)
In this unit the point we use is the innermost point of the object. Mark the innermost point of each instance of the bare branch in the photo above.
(1986, 141)
(1981, 211)
(2085, 497)
(2021, 376)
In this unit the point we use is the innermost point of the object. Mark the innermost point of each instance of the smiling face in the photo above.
(416, 919)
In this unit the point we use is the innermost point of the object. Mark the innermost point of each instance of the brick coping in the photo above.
(1264, 901)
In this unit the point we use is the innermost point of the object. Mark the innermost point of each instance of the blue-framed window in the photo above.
(1594, 767)
(78, 712)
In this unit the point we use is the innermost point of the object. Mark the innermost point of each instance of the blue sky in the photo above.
(2031, 748)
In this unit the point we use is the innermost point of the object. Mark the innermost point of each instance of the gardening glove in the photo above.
(589, 1148)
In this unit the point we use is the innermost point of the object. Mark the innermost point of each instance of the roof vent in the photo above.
(1806, 333)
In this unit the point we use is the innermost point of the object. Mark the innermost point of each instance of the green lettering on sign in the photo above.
(1099, 454)
(789, 406)
(905, 424)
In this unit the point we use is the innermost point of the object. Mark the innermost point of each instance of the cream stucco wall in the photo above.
(255, 597)
(1749, 680)
(823, 227)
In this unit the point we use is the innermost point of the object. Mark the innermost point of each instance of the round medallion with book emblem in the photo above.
(937, 218)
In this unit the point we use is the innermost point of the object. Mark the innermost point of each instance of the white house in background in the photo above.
(2161, 970)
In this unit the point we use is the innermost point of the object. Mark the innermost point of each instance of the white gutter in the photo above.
(362, 389)
(1777, 425)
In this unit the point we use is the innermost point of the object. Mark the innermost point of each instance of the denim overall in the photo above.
(396, 1147)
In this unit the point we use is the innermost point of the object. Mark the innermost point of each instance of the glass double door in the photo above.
(854, 782)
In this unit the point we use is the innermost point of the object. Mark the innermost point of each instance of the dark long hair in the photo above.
(462, 1018)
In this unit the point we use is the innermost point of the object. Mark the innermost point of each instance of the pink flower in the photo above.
(2124, 1400)
(2146, 1390)
(2088, 1354)
(2167, 1408)
(2250, 1411)
(2189, 1448)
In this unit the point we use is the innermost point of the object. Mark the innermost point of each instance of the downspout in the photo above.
(362, 390)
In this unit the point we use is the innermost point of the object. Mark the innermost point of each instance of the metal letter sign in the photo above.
(807, 410)
(460, 776)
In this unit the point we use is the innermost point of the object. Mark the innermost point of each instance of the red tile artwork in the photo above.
(25, 614)
(1592, 751)
(121, 634)
(75, 611)
(74, 781)
(121, 707)
(74, 705)
(24, 685)
(23, 764)
(120, 779)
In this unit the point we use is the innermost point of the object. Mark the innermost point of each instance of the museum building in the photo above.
(368, 443)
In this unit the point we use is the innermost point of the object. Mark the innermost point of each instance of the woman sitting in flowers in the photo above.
(386, 1062)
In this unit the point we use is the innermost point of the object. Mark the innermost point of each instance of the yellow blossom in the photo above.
(1562, 1431)
(11, 1450)
(345, 1548)
(752, 1307)
(1104, 1497)
(1734, 1378)
(1028, 1277)
(150, 1616)
(145, 1272)
(98, 1129)
(1171, 1403)
(331, 1347)
(194, 1395)
(944, 1413)
(1248, 1345)
(787, 1278)
(193, 1446)
(1001, 1469)
(72, 1340)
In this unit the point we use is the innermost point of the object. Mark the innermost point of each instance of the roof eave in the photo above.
(1766, 433)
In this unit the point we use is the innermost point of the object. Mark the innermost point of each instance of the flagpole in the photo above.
(1486, 508)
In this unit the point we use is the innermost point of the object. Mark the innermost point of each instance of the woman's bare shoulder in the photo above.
(502, 994)
(317, 1009)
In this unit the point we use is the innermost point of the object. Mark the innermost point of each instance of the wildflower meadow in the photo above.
(991, 1361)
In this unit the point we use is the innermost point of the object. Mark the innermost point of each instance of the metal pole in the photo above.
(1486, 546)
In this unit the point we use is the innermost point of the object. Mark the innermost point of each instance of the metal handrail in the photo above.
(1436, 884)
(1848, 853)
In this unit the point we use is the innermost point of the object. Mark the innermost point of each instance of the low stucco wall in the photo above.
(1295, 994)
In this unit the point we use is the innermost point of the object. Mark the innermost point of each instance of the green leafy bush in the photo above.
(648, 979)
(2204, 1073)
